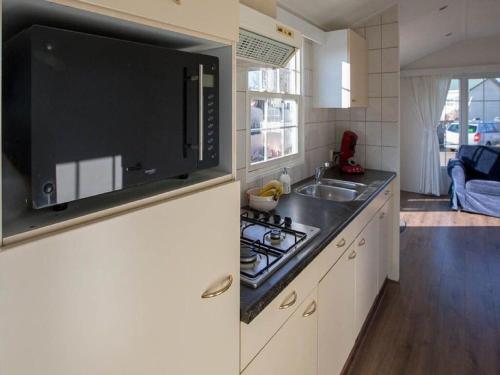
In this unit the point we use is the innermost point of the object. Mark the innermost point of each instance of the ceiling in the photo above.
(423, 26)
(335, 14)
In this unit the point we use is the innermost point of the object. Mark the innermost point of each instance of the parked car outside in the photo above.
(480, 133)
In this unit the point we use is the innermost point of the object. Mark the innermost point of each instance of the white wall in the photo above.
(377, 126)
(463, 54)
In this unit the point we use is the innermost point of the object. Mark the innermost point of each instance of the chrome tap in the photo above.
(320, 171)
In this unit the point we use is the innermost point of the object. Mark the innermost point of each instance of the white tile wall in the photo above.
(390, 85)
(373, 37)
(377, 126)
(390, 35)
(374, 110)
(390, 60)
(373, 134)
(375, 61)
(374, 85)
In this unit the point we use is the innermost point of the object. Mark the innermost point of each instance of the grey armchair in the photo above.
(475, 175)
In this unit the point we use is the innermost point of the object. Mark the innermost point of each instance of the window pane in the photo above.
(256, 146)
(274, 129)
(274, 113)
(449, 127)
(257, 113)
(290, 144)
(291, 113)
(284, 80)
(492, 89)
(274, 144)
(484, 112)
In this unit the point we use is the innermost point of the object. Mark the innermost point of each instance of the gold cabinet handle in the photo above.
(341, 243)
(382, 215)
(226, 285)
(362, 242)
(286, 305)
(311, 309)
(353, 255)
(387, 192)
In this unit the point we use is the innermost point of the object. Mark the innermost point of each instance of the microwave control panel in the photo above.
(211, 117)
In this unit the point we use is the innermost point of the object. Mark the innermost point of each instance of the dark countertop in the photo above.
(330, 217)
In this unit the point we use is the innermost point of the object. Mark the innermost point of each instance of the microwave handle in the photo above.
(200, 114)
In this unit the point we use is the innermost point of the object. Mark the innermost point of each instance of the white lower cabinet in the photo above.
(124, 296)
(366, 248)
(294, 348)
(385, 217)
(336, 315)
(348, 275)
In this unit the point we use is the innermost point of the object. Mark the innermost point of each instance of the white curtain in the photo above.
(429, 95)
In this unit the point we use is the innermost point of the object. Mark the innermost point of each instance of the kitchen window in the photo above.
(274, 115)
(471, 115)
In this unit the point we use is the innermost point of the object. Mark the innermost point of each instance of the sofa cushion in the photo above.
(483, 187)
(481, 162)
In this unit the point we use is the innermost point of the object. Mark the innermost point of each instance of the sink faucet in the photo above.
(320, 171)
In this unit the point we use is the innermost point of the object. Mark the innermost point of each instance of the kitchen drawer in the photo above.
(256, 335)
(332, 253)
(383, 196)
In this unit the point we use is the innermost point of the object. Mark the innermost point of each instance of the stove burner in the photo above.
(247, 254)
(276, 236)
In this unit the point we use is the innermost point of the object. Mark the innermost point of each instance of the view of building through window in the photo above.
(274, 111)
(483, 123)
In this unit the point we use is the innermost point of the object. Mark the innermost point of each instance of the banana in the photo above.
(272, 188)
(269, 193)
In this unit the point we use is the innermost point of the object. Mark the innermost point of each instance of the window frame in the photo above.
(254, 171)
(277, 163)
(463, 138)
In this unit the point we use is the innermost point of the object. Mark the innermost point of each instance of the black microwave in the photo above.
(86, 115)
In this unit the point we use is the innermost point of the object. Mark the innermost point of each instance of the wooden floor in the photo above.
(444, 315)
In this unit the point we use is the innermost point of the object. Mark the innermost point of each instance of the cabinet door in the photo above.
(385, 250)
(293, 350)
(336, 315)
(367, 258)
(215, 17)
(123, 296)
(358, 58)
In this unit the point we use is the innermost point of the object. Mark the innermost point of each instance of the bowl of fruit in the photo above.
(266, 198)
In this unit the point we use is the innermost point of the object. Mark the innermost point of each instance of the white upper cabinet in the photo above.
(154, 291)
(341, 71)
(219, 18)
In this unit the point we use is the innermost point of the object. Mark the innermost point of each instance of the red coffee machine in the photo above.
(347, 151)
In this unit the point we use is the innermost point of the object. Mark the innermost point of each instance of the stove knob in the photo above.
(277, 219)
(256, 215)
(288, 222)
(266, 216)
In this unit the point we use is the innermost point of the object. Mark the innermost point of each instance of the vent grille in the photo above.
(256, 47)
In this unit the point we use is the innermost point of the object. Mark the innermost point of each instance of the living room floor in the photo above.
(444, 315)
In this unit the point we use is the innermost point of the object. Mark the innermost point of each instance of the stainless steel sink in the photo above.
(333, 190)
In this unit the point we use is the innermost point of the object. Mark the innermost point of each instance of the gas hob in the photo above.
(267, 242)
